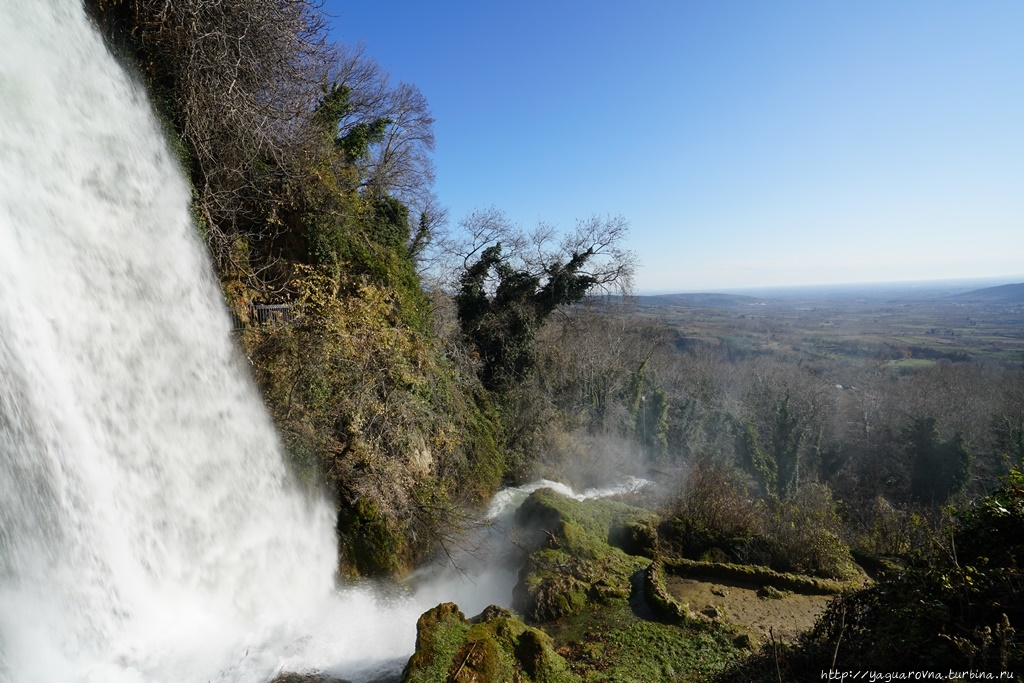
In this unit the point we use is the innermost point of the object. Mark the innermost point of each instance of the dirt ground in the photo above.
(740, 604)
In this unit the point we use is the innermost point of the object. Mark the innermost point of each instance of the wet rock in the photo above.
(307, 678)
(493, 612)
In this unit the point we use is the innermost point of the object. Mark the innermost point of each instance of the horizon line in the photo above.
(1003, 279)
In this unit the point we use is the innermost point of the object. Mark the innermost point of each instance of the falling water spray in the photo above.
(145, 510)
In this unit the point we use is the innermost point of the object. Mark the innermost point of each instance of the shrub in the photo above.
(803, 535)
(952, 609)
(890, 531)
(711, 511)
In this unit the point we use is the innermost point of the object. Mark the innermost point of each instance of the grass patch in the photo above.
(612, 644)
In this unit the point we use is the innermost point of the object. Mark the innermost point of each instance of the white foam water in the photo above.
(486, 570)
(149, 530)
(148, 527)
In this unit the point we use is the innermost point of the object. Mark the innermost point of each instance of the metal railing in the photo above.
(265, 314)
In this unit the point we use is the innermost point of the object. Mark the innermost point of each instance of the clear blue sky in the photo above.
(748, 143)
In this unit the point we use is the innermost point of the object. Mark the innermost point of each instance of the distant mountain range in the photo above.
(698, 300)
(1002, 294)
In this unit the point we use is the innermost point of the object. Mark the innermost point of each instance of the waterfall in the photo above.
(149, 530)
(148, 526)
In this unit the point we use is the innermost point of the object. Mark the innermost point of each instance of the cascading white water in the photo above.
(146, 517)
(487, 572)
(149, 532)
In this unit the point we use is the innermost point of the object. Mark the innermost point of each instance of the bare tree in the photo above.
(238, 79)
(598, 243)
(243, 82)
(453, 253)
(510, 282)
(399, 164)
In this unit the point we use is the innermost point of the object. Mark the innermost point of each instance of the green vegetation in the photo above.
(714, 519)
(584, 584)
(940, 469)
(371, 407)
(954, 607)
(613, 644)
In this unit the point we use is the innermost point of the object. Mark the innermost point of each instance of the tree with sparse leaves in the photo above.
(509, 287)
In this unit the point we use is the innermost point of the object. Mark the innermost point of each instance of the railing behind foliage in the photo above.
(265, 314)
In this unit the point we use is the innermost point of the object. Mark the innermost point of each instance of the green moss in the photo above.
(484, 439)
(367, 540)
(756, 575)
(584, 526)
(495, 649)
(772, 593)
(572, 563)
(440, 633)
(635, 538)
(666, 607)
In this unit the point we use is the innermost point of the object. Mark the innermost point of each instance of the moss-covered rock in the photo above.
(496, 647)
(756, 575)
(572, 562)
(772, 593)
(636, 538)
(660, 600)
(584, 590)
(368, 543)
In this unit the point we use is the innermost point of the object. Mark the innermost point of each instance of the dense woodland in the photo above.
(425, 362)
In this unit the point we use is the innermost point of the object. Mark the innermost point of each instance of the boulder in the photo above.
(494, 647)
